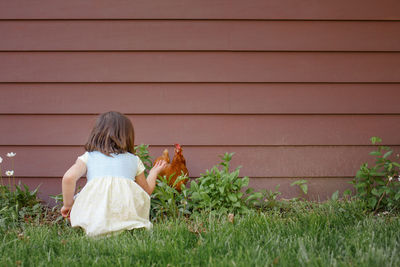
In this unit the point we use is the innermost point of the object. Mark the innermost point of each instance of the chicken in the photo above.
(175, 168)
(164, 156)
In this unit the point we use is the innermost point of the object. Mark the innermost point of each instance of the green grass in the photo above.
(331, 234)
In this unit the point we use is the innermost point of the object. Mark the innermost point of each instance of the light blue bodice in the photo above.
(116, 165)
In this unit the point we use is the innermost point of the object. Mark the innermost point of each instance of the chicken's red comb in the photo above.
(178, 146)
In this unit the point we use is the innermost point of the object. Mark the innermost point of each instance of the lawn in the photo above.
(338, 233)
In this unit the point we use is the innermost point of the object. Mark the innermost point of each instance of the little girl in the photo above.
(117, 194)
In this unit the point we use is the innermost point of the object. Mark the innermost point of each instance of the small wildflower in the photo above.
(390, 178)
(9, 173)
(1, 159)
(11, 154)
(398, 178)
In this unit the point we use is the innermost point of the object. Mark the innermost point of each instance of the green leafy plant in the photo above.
(222, 190)
(335, 196)
(167, 202)
(17, 203)
(18, 206)
(267, 199)
(142, 151)
(56, 210)
(379, 184)
(302, 184)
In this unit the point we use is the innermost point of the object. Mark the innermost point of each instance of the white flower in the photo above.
(1, 159)
(11, 154)
(390, 178)
(9, 173)
(398, 178)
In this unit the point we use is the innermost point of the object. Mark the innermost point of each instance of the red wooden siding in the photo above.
(295, 87)
(208, 130)
(205, 9)
(199, 67)
(200, 35)
(211, 98)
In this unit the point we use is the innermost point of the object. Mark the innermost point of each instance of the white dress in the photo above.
(111, 201)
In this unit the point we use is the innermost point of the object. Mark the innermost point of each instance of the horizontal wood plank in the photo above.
(285, 161)
(199, 35)
(199, 67)
(214, 130)
(212, 98)
(206, 9)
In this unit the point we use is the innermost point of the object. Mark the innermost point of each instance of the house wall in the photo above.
(295, 88)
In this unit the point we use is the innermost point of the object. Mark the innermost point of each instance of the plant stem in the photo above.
(12, 168)
(1, 176)
(380, 199)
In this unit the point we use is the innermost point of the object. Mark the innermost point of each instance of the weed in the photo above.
(379, 184)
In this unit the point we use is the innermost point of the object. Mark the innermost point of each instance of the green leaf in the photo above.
(347, 192)
(372, 202)
(245, 181)
(396, 164)
(232, 197)
(335, 195)
(298, 182)
(258, 195)
(249, 190)
(221, 189)
(375, 192)
(387, 154)
(382, 174)
(390, 167)
(375, 153)
(375, 139)
(380, 182)
(304, 188)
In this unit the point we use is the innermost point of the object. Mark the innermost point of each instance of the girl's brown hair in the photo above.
(113, 133)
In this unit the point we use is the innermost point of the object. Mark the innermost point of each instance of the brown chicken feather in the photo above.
(164, 156)
(174, 168)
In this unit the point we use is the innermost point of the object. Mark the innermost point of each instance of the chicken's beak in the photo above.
(178, 147)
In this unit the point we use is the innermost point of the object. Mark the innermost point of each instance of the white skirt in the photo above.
(109, 205)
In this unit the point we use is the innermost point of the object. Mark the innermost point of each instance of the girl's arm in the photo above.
(69, 184)
(149, 183)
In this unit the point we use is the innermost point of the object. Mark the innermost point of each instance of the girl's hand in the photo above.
(159, 166)
(65, 211)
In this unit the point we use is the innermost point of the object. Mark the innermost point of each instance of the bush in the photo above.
(222, 190)
(142, 151)
(268, 200)
(216, 190)
(167, 202)
(19, 206)
(379, 184)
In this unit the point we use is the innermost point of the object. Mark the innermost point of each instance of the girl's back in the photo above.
(116, 165)
(111, 201)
